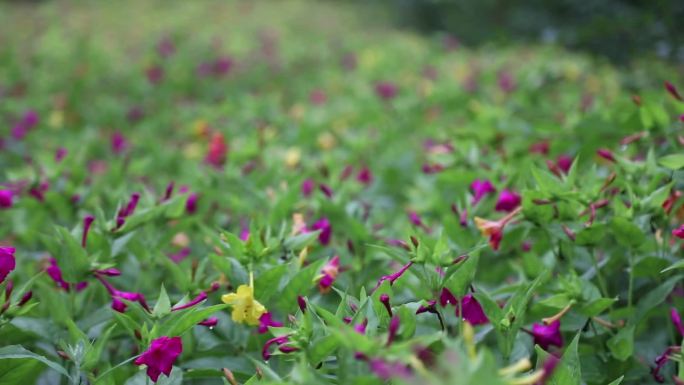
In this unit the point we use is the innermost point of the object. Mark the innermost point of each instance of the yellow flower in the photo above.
(246, 309)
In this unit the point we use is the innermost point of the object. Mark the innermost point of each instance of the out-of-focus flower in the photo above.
(160, 356)
(394, 276)
(27, 122)
(60, 154)
(329, 274)
(564, 162)
(7, 262)
(668, 205)
(661, 360)
(127, 210)
(6, 199)
(246, 309)
(505, 81)
(386, 370)
(118, 296)
(386, 90)
(605, 154)
(191, 203)
(679, 232)
(87, 222)
(472, 311)
(278, 341)
(307, 187)
(546, 335)
(326, 190)
(318, 97)
(218, 149)
(324, 226)
(540, 147)
(672, 90)
(494, 229)
(118, 142)
(480, 188)
(292, 157)
(165, 47)
(508, 201)
(155, 74)
(677, 321)
(365, 176)
(265, 321)
(180, 255)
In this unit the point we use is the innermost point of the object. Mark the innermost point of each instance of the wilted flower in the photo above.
(246, 309)
(160, 356)
(265, 321)
(480, 188)
(508, 200)
(6, 199)
(329, 274)
(546, 335)
(7, 261)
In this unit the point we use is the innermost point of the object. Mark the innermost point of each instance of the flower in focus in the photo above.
(329, 274)
(480, 189)
(7, 262)
(6, 199)
(265, 321)
(494, 229)
(246, 309)
(160, 356)
(546, 335)
(472, 311)
(508, 200)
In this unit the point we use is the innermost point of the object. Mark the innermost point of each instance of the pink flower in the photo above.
(87, 222)
(672, 90)
(155, 74)
(118, 142)
(222, 66)
(265, 321)
(60, 154)
(386, 370)
(279, 341)
(165, 47)
(318, 97)
(564, 163)
(386, 90)
(677, 321)
(394, 276)
(209, 322)
(329, 274)
(218, 149)
(191, 203)
(546, 335)
(28, 121)
(505, 81)
(472, 311)
(365, 176)
(326, 230)
(160, 356)
(55, 273)
(7, 262)
(127, 210)
(180, 255)
(307, 187)
(508, 200)
(5, 199)
(481, 188)
(605, 154)
(195, 301)
(446, 297)
(679, 232)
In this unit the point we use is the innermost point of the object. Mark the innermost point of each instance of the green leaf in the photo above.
(622, 344)
(163, 305)
(322, 348)
(591, 235)
(18, 351)
(626, 232)
(654, 298)
(189, 318)
(300, 241)
(596, 306)
(617, 381)
(19, 371)
(673, 161)
(677, 265)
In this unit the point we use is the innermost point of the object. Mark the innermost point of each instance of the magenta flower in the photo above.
(472, 311)
(365, 176)
(546, 335)
(55, 273)
(480, 188)
(326, 190)
(393, 277)
(165, 47)
(60, 154)
(318, 97)
(605, 154)
(180, 255)
(195, 301)
(446, 297)
(155, 74)
(118, 142)
(661, 360)
(168, 192)
(209, 322)
(301, 302)
(191, 203)
(564, 162)
(307, 187)
(387, 370)
(87, 222)
(127, 210)
(679, 232)
(326, 230)
(5, 199)
(508, 201)
(329, 274)
(540, 147)
(385, 299)
(222, 66)
(265, 321)
(386, 90)
(392, 330)
(160, 356)
(677, 321)
(7, 261)
(118, 296)
(672, 90)
(505, 81)
(279, 341)
(28, 121)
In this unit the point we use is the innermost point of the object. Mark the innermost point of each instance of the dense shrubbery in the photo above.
(243, 194)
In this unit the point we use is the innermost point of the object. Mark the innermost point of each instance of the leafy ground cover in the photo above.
(279, 193)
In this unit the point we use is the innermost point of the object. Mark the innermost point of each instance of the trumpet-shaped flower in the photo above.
(7, 262)
(246, 309)
(160, 356)
(329, 274)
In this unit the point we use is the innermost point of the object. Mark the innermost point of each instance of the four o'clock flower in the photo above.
(329, 274)
(191, 203)
(546, 335)
(508, 200)
(307, 187)
(472, 311)
(677, 321)
(218, 149)
(6, 199)
(386, 90)
(324, 226)
(160, 356)
(365, 176)
(494, 229)
(118, 142)
(679, 232)
(7, 262)
(265, 321)
(480, 189)
(246, 309)
(672, 90)
(606, 154)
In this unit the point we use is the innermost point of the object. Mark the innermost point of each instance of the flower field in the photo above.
(297, 193)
